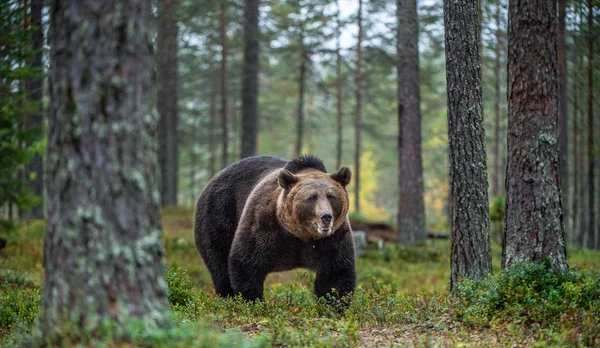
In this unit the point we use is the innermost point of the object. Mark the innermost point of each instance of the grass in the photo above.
(402, 299)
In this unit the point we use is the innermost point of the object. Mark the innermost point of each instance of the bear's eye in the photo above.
(313, 197)
(331, 197)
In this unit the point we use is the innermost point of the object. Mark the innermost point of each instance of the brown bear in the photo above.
(264, 214)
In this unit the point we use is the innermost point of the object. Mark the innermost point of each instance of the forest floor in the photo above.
(402, 300)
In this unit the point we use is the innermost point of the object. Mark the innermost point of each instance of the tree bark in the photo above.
(250, 79)
(168, 80)
(358, 110)
(34, 170)
(576, 165)
(563, 113)
(103, 254)
(338, 90)
(533, 225)
(224, 113)
(471, 255)
(497, 72)
(301, 89)
(591, 243)
(212, 141)
(411, 205)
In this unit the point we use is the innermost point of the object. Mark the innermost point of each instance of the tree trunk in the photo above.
(167, 74)
(411, 206)
(533, 228)
(497, 72)
(34, 170)
(358, 111)
(338, 89)
(224, 115)
(471, 255)
(250, 79)
(212, 141)
(103, 254)
(563, 114)
(300, 108)
(576, 164)
(591, 243)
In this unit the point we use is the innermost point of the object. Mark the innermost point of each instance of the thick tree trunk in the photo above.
(224, 112)
(411, 206)
(300, 107)
(167, 74)
(250, 79)
(533, 228)
(563, 114)
(34, 170)
(591, 227)
(471, 255)
(103, 254)
(497, 72)
(358, 110)
(338, 90)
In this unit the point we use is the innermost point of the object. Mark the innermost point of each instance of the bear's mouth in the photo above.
(324, 229)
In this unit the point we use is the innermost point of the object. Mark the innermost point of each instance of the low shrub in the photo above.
(533, 296)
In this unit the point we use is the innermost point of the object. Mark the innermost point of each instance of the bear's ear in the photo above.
(287, 179)
(342, 176)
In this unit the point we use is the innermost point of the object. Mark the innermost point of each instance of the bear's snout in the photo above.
(326, 217)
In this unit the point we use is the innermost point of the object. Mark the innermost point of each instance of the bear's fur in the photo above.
(264, 214)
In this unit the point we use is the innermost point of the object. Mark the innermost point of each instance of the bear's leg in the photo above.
(220, 277)
(215, 254)
(247, 273)
(336, 267)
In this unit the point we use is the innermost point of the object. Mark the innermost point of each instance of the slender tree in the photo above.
(470, 220)
(497, 72)
(338, 88)
(168, 81)
(212, 141)
(576, 164)
(223, 84)
(533, 228)
(358, 109)
(250, 79)
(103, 254)
(411, 205)
(563, 112)
(301, 93)
(34, 170)
(591, 243)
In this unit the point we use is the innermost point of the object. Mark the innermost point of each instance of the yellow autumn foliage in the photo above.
(369, 184)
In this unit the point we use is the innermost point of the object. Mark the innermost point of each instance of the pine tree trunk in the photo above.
(212, 141)
(563, 114)
(358, 110)
(533, 228)
(300, 107)
(411, 206)
(497, 72)
(167, 83)
(470, 220)
(103, 254)
(34, 170)
(224, 112)
(591, 243)
(250, 79)
(338, 90)
(576, 164)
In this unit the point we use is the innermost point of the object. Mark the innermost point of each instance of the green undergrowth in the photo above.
(565, 306)
(402, 299)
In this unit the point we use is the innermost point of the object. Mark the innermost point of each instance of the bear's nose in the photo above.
(326, 217)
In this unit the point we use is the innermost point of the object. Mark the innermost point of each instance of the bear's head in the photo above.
(313, 204)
